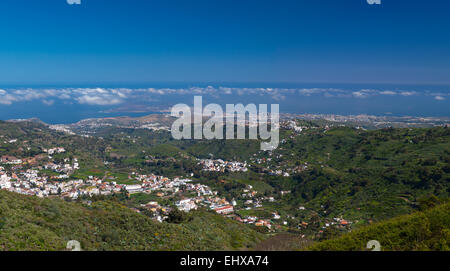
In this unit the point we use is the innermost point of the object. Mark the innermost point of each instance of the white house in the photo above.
(134, 188)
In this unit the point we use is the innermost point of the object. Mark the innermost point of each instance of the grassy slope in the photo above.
(30, 223)
(428, 230)
(371, 175)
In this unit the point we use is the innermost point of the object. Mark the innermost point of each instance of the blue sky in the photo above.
(139, 41)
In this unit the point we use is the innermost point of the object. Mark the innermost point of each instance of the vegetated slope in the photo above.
(33, 137)
(30, 223)
(426, 230)
(368, 175)
(358, 175)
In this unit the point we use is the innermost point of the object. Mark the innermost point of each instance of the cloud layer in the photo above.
(115, 96)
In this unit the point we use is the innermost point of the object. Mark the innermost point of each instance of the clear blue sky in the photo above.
(49, 41)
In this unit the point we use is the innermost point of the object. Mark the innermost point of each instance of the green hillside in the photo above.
(362, 177)
(30, 223)
(427, 230)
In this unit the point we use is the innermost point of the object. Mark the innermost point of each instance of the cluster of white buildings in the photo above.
(30, 183)
(66, 167)
(4, 179)
(187, 205)
(162, 186)
(154, 127)
(54, 150)
(219, 205)
(258, 222)
(292, 125)
(151, 183)
(222, 166)
(206, 198)
(61, 128)
(279, 172)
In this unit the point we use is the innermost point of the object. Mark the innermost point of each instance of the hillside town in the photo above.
(55, 178)
(220, 165)
(33, 182)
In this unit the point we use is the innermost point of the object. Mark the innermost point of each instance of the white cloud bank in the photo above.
(115, 96)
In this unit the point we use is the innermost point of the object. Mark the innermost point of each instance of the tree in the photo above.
(176, 216)
(428, 202)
